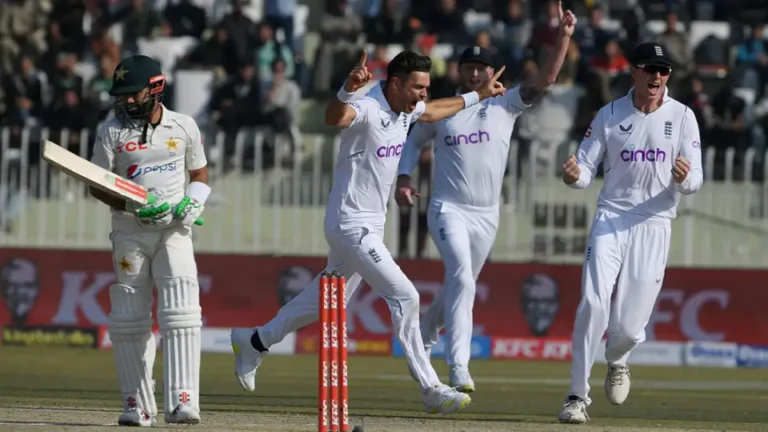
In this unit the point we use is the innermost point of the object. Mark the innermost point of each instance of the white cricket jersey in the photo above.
(367, 163)
(471, 149)
(173, 147)
(638, 152)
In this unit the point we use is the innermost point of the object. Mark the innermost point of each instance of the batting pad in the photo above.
(130, 330)
(179, 319)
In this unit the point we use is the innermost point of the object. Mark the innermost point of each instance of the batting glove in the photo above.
(188, 211)
(153, 214)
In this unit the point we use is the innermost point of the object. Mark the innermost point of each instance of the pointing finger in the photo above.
(364, 58)
(560, 9)
(498, 74)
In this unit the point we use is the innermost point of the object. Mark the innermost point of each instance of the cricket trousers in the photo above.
(628, 252)
(359, 253)
(464, 237)
(163, 259)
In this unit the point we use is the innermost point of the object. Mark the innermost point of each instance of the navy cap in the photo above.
(477, 54)
(650, 53)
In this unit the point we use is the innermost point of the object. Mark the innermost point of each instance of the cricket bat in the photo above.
(95, 176)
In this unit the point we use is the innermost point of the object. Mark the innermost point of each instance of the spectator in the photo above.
(97, 96)
(607, 66)
(279, 15)
(390, 26)
(447, 23)
(238, 103)
(240, 30)
(283, 103)
(67, 17)
(679, 50)
(593, 37)
(22, 26)
(753, 56)
(66, 78)
(377, 64)
(512, 33)
(448, 84)
(185, 19)
(699, 102)
(545, 31)
(483, 40)
(28, 93)
(339, 47)
(141, 22)
(68, 113)
(216, 52)
(268, 51)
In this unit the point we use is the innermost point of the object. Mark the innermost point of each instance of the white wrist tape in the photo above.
(471, 98)
(344, 95)
(199, 191)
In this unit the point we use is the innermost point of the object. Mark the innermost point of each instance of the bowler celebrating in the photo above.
(650, 149)
(471, 151)
(374, 129)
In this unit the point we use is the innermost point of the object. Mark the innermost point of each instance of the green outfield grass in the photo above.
(69, 389)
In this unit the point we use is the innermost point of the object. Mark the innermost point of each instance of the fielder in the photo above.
(152, 245)
(650, 149)
(471, 151)
(374, 129)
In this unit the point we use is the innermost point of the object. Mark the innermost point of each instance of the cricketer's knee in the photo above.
(622, 338)
(130, 331)
(180, 319)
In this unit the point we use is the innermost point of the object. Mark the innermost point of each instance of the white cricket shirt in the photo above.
(471, 149)
(367, 163)
(638, 151)
(173, 147)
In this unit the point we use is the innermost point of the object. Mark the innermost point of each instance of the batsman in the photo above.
(152, 245)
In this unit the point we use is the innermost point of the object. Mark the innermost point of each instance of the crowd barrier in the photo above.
(265, 202)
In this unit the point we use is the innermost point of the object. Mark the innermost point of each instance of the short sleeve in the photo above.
(512, 101)
(420, 109)
(103, 150)
(364, 108)
(195, 152)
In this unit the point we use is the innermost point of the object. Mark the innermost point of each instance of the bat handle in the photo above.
(199, 221)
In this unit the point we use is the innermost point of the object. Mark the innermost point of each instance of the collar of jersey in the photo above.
(165, 119)
(377, 92)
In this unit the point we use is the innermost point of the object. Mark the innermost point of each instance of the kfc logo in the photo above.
(531, 349)
(687, 313)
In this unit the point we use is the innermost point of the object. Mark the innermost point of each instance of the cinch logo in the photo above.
(651, 155)
(131, 147)
(389, 151)
(473, 138)
(135, 170)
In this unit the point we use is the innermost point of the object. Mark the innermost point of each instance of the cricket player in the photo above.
(650, 149)
(374, 129)
(152, 245)
(471, 150)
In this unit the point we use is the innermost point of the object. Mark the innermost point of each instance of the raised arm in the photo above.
(443, 108)
(338, 113)
(580, 170)
(687, 171)
(531, 90)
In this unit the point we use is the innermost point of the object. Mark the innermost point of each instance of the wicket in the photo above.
(333, 415)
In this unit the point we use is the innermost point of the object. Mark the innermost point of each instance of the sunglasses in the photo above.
(653, 69)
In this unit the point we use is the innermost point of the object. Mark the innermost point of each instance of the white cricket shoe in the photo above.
(136, 417)
(574, 410)
(183, 414)
(617, 384)
(461, 380)
(442, 399)
(247, 358)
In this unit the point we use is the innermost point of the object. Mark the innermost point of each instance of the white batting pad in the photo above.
(130, 329)
(180, 320)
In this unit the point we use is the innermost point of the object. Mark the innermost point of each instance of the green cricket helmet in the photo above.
(131, 76)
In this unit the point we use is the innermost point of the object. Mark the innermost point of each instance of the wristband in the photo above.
(199, 191)
(344, 95)
(471, 98)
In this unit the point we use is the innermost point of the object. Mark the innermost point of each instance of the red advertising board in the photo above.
(63, 288)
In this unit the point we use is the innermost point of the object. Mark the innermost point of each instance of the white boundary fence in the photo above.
(277, 208)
